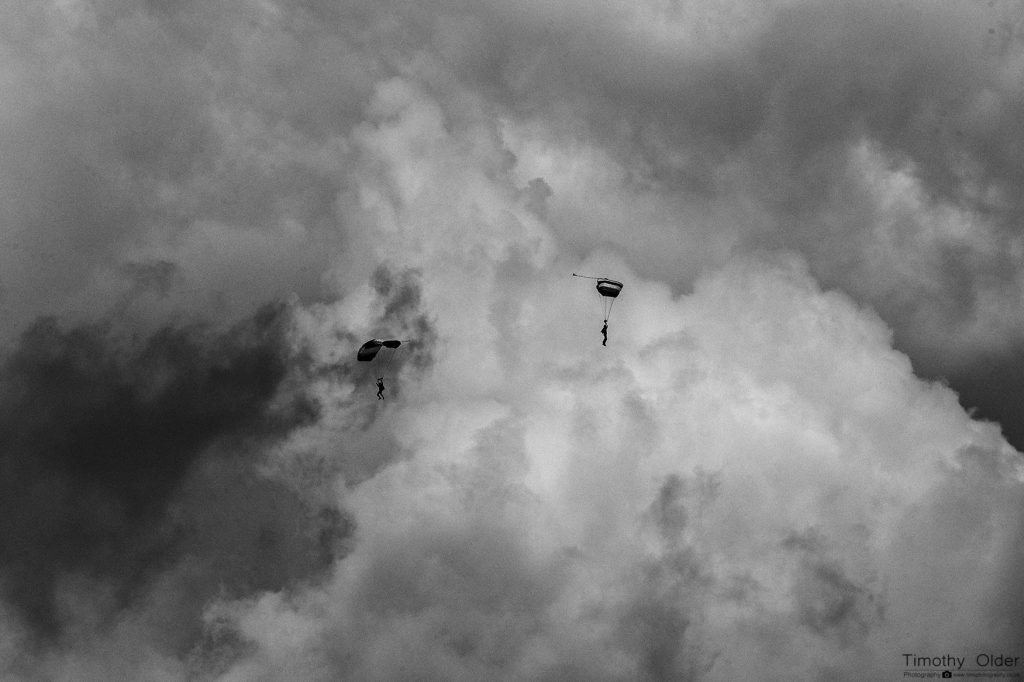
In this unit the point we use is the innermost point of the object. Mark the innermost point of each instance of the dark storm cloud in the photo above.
(236, 534)
(100, 430)
(991, 386)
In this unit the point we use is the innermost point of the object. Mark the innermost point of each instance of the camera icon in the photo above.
(946, 674)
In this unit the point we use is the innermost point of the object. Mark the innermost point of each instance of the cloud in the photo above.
(103, 431)
(229, 142)
(704, 502)
(207, 209)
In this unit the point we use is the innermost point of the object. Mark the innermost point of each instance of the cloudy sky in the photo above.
(797, 457)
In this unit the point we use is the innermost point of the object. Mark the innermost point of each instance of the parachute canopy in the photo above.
(368, 351)
(609, 287)
(609, 290)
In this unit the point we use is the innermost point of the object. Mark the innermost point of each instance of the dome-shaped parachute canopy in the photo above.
(368, 351)
(609, 287)
(609, 290)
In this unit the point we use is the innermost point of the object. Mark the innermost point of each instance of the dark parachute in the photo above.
(369, 350)
(381, 351)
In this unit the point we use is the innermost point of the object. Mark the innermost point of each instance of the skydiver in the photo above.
(380, 388)
(604, 331)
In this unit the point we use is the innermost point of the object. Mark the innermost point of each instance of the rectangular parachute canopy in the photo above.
(609, 287)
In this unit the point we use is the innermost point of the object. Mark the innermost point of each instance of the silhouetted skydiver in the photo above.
(604, 331)
(380, 388)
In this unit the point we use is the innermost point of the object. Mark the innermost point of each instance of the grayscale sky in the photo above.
(796, 458)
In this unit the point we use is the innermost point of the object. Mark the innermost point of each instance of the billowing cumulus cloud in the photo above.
(759, 488)
(207, 209)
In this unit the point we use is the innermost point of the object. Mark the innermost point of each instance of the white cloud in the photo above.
(758, 466)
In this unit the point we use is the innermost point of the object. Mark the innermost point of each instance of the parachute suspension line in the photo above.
(608, 289)
(390, 351)
(387, 354)
(386, 358)
(381, 363)
(380, 353)
(605, 308)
